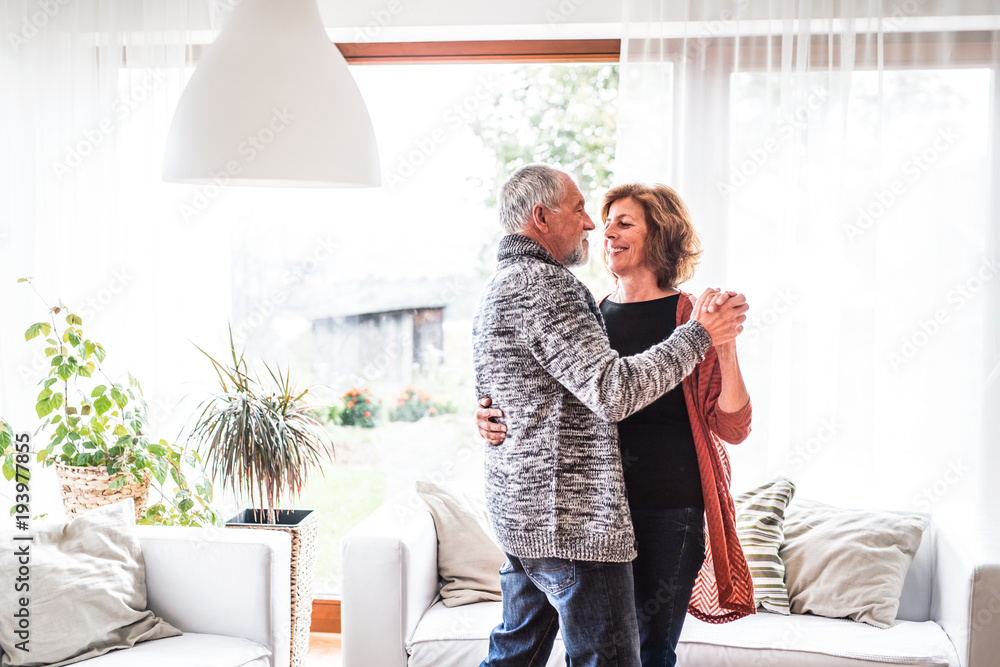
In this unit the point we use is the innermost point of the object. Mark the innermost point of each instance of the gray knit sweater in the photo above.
(541, 352)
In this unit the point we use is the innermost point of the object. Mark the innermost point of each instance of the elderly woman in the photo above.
(675, 463)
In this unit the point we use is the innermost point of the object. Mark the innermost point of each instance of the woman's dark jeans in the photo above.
(671, 546)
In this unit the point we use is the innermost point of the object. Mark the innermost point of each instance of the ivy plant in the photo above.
(89, 419)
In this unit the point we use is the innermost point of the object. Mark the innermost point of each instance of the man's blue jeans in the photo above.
(592, 602)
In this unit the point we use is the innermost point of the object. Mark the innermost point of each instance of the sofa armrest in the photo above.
(390, 578)
(233, 582)
(966, 595)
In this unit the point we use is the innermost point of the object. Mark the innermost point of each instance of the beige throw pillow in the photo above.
(86, 590)
(848, 563)
(468, 559)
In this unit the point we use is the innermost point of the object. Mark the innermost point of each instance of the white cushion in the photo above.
(229, 581)
(771, 635)
(86, 578)
(459, 637)
(710, 655)
(189, 650)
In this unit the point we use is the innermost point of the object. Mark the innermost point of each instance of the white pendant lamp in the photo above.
(272, 103)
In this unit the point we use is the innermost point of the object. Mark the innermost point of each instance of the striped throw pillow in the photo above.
(760, 518)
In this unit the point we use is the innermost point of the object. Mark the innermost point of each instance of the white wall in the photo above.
(436, 20)
(415, 20)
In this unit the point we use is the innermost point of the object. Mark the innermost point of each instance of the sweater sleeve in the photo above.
(571, 345)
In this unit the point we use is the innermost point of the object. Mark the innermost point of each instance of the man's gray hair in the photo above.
(529, 186)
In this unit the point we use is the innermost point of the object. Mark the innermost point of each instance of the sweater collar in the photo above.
(517, 245)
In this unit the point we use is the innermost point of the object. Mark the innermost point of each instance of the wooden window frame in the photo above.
(325, 615)
(497, 51)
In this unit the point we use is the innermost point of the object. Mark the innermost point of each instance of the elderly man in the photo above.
(555, 488)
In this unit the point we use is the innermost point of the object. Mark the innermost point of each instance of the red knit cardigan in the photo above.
(723, 591)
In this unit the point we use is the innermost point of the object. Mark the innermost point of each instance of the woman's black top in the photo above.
(658, 454)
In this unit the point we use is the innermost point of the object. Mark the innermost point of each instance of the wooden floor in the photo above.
(324, 650)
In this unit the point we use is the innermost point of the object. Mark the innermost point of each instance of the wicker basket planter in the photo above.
(86, 487)
(303, 525)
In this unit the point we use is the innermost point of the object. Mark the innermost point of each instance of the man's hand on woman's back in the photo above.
(493, 433)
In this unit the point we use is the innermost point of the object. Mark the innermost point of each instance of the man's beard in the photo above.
(578, 256)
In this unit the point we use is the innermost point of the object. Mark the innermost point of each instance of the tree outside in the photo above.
(566, 116)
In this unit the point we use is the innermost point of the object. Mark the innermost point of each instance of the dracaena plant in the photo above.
(260, 439)
(91, 420)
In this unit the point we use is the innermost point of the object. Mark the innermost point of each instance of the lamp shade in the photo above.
(272, 103)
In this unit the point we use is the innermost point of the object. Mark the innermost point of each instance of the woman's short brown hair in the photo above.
(673, 247)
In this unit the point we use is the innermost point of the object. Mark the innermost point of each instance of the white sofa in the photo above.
(228, 590)
(949, 610)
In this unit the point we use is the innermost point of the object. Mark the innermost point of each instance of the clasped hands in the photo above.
(722, 313)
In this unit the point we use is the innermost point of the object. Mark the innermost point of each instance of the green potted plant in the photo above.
(262, 441)
(98, 433)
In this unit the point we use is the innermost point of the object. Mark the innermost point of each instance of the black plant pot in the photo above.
(258, 518)
(303, 526)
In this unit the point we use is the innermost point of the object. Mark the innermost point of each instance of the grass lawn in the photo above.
(343, 498)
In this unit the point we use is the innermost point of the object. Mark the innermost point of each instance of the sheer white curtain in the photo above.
(840, 161)
(89, 87)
